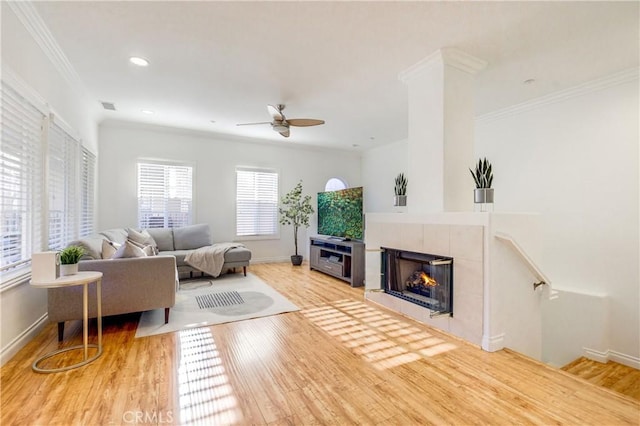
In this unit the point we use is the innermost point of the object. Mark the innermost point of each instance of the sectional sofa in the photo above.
(135, 284)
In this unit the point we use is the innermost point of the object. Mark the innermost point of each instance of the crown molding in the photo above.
(34, 24)
(611, 80)
(445, 56)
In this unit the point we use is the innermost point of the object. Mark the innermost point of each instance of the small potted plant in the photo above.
(483, 177)
(295, 210)
(69, 258)
(400, 190)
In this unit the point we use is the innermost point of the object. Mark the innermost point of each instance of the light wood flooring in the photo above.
(339, 360)
(611, 375)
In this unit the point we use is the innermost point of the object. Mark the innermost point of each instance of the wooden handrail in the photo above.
(542, 278)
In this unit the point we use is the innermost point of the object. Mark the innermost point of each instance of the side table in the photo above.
(83, 278)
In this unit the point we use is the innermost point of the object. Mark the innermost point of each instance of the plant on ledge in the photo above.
(483, 177)
(400, 190)
(296, 210)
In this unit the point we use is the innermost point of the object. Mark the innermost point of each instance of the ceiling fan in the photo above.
(281, 123)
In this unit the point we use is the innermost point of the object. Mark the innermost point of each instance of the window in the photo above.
(87, 185)
(21, 185)
(256, 202)
(47, 181)
(62, 179)
(164, 195)
(335, 184)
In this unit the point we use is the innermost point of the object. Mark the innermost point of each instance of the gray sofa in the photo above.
(140, 283)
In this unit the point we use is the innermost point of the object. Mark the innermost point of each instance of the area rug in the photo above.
(228, 298)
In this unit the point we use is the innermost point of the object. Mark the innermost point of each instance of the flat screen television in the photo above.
(340, 213)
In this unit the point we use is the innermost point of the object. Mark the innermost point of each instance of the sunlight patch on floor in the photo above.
(377, 337)
(205, 395)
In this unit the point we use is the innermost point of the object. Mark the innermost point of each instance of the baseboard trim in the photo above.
(271, 259)
(22, 339)
(609, 355)
(493, 343)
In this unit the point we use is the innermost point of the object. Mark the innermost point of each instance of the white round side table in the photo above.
(83, 278)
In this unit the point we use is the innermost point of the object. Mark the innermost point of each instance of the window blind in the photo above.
(21, 180)
(164, 195)
(256, 202)
(87, 190)
(62, 180)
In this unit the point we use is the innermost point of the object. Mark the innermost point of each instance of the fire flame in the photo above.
(427, 280)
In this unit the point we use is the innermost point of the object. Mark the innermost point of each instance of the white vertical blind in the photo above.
(165, 195)
(256, 202)
(21, 184)
(63, 160)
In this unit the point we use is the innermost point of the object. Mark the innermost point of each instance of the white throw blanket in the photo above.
(210, 259)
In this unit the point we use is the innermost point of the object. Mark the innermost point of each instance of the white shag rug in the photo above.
(228, 298)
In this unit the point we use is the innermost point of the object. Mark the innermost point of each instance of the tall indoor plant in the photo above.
(296, 210)
(483, 177)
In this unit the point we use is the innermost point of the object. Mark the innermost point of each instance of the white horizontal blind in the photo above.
(165, 197)
(87, 190)
(62, 180)
(256, 202)
(21, 180)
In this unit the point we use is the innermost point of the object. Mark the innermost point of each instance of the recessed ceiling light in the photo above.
(146, 111)
(141, 62)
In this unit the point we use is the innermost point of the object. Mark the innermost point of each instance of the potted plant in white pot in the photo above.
(69, 258)
(296, 210)
(400, 190)
(483, 177)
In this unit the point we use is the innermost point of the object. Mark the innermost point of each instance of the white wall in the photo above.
(380, 166)
(215, 159)
(22, 308)
(575, 161)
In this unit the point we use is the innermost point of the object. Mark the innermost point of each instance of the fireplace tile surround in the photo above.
(463, 242)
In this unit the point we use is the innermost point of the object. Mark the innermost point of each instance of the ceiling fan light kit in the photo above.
(281, 124)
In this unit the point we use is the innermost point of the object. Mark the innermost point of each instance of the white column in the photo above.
(440, 137)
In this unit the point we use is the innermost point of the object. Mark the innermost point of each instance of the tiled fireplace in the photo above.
(420, 278)
(449, 249)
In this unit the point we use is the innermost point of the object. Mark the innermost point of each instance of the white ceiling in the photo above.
(337, 61)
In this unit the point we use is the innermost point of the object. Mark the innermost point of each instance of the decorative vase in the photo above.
(68, 269)
(400, 200)
(296, 259)
(483, 195)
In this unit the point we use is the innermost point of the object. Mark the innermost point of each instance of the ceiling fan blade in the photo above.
(275, 112)
(252, 124)
(285, 133)
(304, 122)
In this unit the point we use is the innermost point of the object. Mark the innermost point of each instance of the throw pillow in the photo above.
(191, 237)
(109, 248)
(148, 249)
(128, 249)
(142, 237)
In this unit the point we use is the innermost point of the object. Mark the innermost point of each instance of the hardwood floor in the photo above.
(611, 375)
(339, 360)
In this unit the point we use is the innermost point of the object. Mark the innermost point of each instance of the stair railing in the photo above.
(509, 241)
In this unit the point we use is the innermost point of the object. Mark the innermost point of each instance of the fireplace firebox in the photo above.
(420, 278)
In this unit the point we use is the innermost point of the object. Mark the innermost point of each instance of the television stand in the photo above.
(339, 258)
